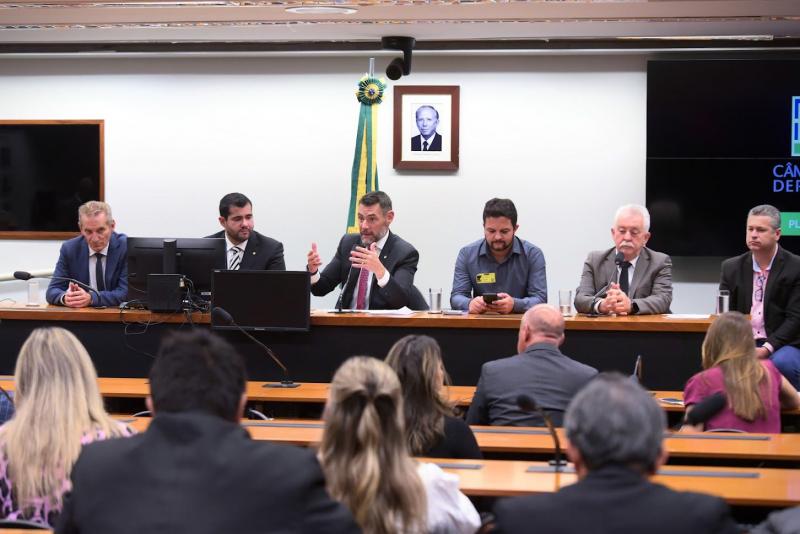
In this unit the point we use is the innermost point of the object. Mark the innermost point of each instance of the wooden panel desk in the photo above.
(747, 487)
(528, 440)
(122, 343)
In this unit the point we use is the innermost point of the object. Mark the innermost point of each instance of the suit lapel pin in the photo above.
(254, 253)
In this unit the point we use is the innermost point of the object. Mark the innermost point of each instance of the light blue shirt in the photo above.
(522, 275)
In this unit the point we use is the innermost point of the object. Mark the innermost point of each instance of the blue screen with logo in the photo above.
(722, 137)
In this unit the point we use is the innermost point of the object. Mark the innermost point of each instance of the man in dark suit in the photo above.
(429, 139)
(628, 278)
(196, 469)
(540, 371)
(246, 249)
(615, 431)
(382, 264)
(765, 283)
(98, 258)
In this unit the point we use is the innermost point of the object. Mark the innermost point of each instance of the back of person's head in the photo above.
(198, 371)
(542, 323)
(417, 361)
(729, 345)
(500, 207)
(57, 402)
(613, 421)
(364, 453)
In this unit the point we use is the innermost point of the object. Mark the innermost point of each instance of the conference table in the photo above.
(123, 343)
(741, 486)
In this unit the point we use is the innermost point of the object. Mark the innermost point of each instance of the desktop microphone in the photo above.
(24, 275)
(706, 409)
(346, 281)
(527, 404)
(619, 259)
(221, 316)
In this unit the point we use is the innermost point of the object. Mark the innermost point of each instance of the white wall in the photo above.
(564, 137)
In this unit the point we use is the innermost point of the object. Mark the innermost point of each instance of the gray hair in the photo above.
(94, 208)
(614, 421)
(634, 208)
(426, 106)
(769, 211)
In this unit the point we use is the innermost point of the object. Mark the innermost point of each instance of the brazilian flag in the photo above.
(364, 176)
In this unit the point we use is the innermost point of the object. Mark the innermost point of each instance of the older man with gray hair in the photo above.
(540, 371)
(765, 283)
(628, 278)
(615, 431)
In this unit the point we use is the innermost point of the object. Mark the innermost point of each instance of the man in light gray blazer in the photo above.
(540, 370)
(628, 278)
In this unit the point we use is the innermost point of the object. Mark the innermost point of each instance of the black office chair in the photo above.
(416, 301)
(22, 524)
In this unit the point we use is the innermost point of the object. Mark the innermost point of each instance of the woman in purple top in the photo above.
(58, 410)
(755, 389)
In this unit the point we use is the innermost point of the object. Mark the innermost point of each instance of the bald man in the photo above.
(540, 371)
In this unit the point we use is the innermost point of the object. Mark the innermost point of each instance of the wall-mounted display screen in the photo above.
(47, 170)
(722, 137)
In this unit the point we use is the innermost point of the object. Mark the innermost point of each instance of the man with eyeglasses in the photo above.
(628, 278)
(765, 282)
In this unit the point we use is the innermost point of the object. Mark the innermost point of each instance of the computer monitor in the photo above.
(194, 258)
(278, 301)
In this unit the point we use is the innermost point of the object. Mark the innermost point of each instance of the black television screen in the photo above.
(722, 137)
(263, 300)
(195, 258)
(47, 170)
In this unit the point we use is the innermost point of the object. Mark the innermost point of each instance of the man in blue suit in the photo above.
(98, 258)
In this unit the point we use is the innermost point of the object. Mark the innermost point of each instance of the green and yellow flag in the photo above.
(364, 176)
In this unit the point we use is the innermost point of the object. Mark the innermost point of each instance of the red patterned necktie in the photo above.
(361, 296)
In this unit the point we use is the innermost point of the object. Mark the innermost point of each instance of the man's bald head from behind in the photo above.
(541, 324)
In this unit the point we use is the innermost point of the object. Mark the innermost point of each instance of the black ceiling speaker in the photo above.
(399, 66)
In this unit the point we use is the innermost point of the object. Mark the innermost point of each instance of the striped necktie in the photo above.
(236, 258)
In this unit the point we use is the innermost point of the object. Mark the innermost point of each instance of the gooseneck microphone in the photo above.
(706, 409)
(339, 303)
(527, 404)
(25, 275)
(221, 316)
(619, 259)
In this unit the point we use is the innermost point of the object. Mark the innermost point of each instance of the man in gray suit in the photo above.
(540, 371)
(628, 278)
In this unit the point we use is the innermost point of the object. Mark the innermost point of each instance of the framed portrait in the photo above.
(426, 127)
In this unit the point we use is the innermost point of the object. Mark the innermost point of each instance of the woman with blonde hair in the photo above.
(431, 426)
(58, 410)
(367, 465)
(755, 389)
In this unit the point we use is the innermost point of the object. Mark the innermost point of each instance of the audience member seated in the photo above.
(196, 469)
(367, 464)
(58, 409)
(540, 371)
(431, 426)
(615, 431)
(755, 389)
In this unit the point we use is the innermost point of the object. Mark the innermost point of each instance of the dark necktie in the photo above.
(98, 272)
(623, 276)
(425, 146)
(361, 294)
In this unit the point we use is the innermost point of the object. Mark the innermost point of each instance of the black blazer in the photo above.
(781, 300)
(398, 256)
(458, 442)
(435, 146)
(615, 500)
(261, 254)
(196, 473)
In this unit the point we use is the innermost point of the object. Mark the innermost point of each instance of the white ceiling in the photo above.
(147, 21)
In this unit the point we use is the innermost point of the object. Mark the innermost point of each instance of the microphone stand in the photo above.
(527, 404)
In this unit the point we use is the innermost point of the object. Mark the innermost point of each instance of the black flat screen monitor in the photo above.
(264, 300)
(723, 136)
(195, 258)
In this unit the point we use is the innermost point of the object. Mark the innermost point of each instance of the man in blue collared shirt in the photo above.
(500, 263)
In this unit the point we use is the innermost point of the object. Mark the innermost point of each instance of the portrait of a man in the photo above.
(428, 140)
